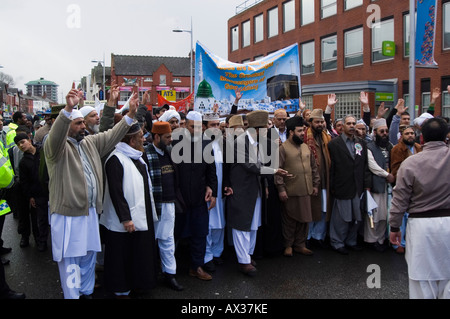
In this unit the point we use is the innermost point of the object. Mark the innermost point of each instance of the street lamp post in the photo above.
(104, 80)
(192, 48)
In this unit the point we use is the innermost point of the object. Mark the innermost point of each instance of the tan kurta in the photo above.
(300, 162)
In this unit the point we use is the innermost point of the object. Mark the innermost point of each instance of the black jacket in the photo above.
(348, 177)
(194, 177)
(29, 175)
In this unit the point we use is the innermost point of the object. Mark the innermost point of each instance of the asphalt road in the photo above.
(362, 275)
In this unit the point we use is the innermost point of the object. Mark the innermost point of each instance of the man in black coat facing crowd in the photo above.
(198, 184)
(349, 177)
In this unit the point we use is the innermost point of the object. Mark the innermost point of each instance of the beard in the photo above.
(409, 143)
(382, 141)
(79, 137)
(297, 140)
(94, 128)
(318, 130)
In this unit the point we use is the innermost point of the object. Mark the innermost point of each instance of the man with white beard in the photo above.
(91, 118)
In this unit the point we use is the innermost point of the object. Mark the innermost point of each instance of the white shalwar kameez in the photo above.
(245, 241)
(166, 242)
(428, 257)
(76, 241)
(215, 238)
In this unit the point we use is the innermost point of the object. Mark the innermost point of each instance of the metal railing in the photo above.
(245, 5)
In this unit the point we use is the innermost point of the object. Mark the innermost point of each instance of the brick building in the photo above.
(341, 53)
(154, 73)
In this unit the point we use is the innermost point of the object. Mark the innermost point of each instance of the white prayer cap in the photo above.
(76, 114)
(168, 115)
(194, 116)
(424, 116)
(85, 110)
(379, 123)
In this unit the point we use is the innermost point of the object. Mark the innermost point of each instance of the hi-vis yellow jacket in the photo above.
(6, 181)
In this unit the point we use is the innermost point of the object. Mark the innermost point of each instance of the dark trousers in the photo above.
(27, 219)
(4, 288)
(42, 218)
(194, 225)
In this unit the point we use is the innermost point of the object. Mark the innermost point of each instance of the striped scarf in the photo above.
(311, 142)
(155, 175)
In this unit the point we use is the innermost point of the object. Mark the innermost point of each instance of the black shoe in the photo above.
(4, 261)
(24, 242)
(341, 250)
(4, 250)
(86, 297)
(209, 267)
(356, 247)
(42, 246)
(172, 282)
(13, 295)
(379, 247)
(218, 260)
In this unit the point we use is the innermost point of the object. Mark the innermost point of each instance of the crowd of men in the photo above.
(121, 189)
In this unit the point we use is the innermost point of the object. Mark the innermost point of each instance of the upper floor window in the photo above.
(384, 33)
(307, 12)
(272, 22)
(246, 34)
(350, 4)
(258, 23)
(235, 38)
(329, 53)
(446, 27)
(353, 47)
(328, 8)
(288, 15)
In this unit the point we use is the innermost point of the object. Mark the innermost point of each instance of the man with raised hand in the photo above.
(76, 192)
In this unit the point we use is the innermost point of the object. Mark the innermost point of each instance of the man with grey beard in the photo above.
(91, 118)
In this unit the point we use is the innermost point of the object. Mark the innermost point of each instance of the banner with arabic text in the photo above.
(268, 84)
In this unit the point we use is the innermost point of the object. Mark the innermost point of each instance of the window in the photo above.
(446, 21)
(235, 38)
(350, 4)
(426, 98)
(406, 33)
(307, 57)
(162, 79)
(353, 47)
(125, 95)
(272, 22)
(329, 53)
(445, 104)
(384, 33)
(308, 100)
(258, 28)
(307, 12)
(348, 104)
(177, 80)
(288, 15)
(148, 79)
(328, 8)
(245, 34)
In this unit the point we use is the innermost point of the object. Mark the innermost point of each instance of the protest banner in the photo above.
(180, 106)
(268, 84)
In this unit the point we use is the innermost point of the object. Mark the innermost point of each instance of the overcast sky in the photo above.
(58, 39)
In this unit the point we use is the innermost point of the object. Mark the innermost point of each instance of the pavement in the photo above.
(360, 275)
